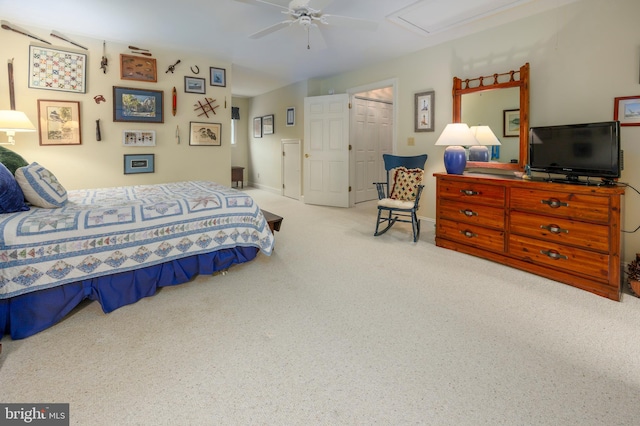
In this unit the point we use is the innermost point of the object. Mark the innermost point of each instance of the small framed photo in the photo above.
(140, 68)
(257, 127)
(69, 74)
(626, 110)
(137, 105)
(267, 125)
(218, 77)
(424, 111)
(511, 123)
(205, 134)
(139, 138)
(291, 116)
(59, 122)
(139, 163)
(194, 85)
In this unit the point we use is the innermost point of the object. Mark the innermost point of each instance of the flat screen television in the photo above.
(576, 150)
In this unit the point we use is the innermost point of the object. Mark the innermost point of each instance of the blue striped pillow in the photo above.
(40, 187)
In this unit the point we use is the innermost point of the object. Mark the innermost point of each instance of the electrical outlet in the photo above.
(411, 141)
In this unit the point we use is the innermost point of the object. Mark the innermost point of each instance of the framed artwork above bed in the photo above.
(139, 163)
(138, 105)
(59, 122)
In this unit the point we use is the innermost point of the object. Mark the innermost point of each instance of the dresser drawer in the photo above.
(477, 236)
(490, 195)
(571, 259)
(564, 204)
(472, 213)
(560, 230)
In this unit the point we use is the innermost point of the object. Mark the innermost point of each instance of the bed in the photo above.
(118, 245)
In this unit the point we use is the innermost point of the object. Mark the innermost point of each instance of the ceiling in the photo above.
(221, 29)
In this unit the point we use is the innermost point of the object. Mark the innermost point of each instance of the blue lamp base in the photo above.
(455, 160)
(478, 153)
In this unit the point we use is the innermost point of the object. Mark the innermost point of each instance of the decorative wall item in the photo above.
(194, 85)
(139, 138)
(291, 116)
(138, 68)
(511, 123)
(59, 122)
(206, 107)
(257, 127)
(54, 69)
(139, 163)
(218, 76)
(626, 110)
(424, 111)
(137, 105)
(172, 68)
(205, 134)
(267, 125)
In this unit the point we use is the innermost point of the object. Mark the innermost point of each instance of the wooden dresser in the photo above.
(568, 233)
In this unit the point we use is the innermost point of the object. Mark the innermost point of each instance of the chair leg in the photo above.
(415, 224)
(387, 219)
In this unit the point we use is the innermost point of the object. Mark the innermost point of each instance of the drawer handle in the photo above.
(468, 213)
(554, 229)
(468, 234)
(554, 203)
(469, 192)
(553, 254)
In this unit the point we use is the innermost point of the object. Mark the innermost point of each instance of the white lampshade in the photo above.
(12, 121)
(484, 135)
(457, 134)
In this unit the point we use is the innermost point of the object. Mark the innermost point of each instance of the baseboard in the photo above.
(276, 191)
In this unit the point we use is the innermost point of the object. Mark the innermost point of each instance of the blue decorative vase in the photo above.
(478, 153)
(455, 160)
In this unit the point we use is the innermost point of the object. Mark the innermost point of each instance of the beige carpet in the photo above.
(339, 327)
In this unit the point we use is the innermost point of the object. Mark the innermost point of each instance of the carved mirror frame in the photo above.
(498, 81)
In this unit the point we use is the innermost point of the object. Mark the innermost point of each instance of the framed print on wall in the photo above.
(511, 123)
(69, 76)
(205, 134)
(194, 85)
(424, 111)
(291, 116)
(137, 105)
(257, 127)
(59, 122)
(626, 110)
(139, 163)
(267, 125)
(139, 138)
(140, 68)
(218, 77)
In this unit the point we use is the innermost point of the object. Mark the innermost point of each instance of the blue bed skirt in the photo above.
(28, 314)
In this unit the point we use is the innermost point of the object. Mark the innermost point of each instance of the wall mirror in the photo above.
(500, 101)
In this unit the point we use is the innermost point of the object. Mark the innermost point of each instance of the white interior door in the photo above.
(326, 150)
(291, 165)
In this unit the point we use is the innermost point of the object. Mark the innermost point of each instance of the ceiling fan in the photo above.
(300, 12)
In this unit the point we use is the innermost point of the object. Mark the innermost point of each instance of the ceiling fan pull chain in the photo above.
(308, 42)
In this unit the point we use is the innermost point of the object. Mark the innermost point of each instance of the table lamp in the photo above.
(456, 136)
(12, 121)
(485, 137)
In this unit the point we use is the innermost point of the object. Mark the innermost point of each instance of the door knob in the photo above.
(306, 156)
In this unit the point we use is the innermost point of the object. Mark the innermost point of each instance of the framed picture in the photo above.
(626, 110)
(59, 122)
(424, 111)
(137, 105)
(139, 163)
(205, 134)
(194, 85)
(139, 138)
(291, 116)
(511, 123)
(267, 125)
(257, 127)
(70, 74)
(140, 68)
(218, 76)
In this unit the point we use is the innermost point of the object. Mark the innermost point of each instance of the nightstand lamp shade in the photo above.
(455, 136)
(485, 137)
(12, 121)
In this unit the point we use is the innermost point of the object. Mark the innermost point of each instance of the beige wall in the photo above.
(582, 56)
(100, 164)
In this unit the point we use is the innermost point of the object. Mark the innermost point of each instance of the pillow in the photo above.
(40, 187)
(11, 197)
(11, 160)
(405, 183)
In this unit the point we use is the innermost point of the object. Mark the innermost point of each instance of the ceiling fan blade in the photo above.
(263, 3)
(271, 29)
(346, 21)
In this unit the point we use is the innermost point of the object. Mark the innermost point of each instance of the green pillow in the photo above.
(11, 160)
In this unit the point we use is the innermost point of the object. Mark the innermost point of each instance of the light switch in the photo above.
(411, 141)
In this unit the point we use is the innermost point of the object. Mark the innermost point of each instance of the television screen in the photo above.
(590, 150)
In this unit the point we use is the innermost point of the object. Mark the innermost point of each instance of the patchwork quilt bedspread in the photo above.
(105, 231)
